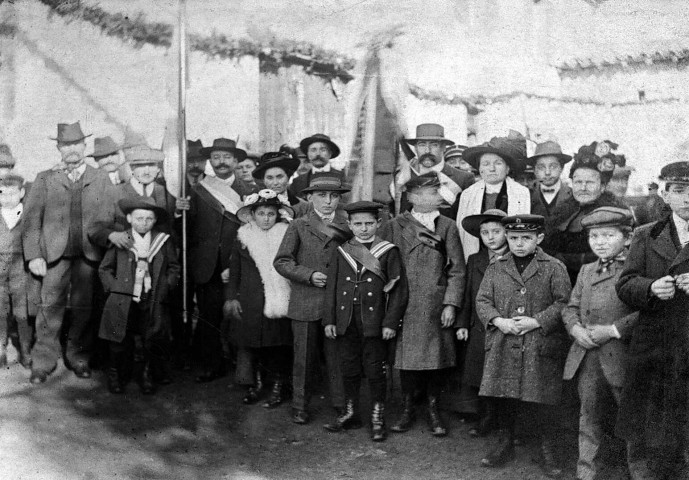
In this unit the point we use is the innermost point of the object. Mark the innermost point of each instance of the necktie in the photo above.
(548, 190)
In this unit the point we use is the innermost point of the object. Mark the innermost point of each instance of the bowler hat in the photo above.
(524, 223)
(326, 182)
(430, 132)
(511, 148)
(69, 133)
(224, 145)
(276, 160)
(194, 149)
(472, 223)
(676, 172)
(549, 149)
(129, 204)
(363, 206)
(103, 146)
(143, 155)
(608, 217)
(320, 137)
(6, 158)
(263, 197)
(426, 180)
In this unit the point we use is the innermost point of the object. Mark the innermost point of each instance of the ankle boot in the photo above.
(546, 458)
(25, 356)
(276, 395)
(437, 427)
(114, 382)
(502, 453)
(378, 432)
(146, 381)
(349, 419)
(254, 392)
(408, 415)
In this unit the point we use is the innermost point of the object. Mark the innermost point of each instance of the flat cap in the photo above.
(363, 207)
(425, 180)
(524, 223)
(677, 172)
(608, 217)
(143, 155)
(454, 151)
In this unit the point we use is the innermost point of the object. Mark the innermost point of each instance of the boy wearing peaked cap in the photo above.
(653, 414)
(520, 303)
(365, 299)
(600, 324)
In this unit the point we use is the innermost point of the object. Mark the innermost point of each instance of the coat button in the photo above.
(520, 310)
(370, 294)
(347, 278)
(344, 293)
(523, 291)
(370, 309)
(342, 307)
(369, 279)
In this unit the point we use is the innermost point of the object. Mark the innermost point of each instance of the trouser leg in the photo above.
(306, 361)
(81, 332)
(210, 300)
(333, 369)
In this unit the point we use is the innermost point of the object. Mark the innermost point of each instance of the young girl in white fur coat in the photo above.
(257, 297)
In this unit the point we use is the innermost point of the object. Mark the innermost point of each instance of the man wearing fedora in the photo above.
(60, 208)
(430, 144)
(304, 258)
(548, 162)
(319, 150)
(213, 224)
(196, 164)
(106, 153)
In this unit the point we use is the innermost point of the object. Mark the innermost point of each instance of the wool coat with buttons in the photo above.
(379, 306)
(525, 367)
(436, 279)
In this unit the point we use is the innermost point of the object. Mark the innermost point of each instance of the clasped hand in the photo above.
(519, 325)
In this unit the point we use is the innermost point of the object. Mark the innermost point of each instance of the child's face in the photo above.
(606, 242)
(523, 243)
(677, 196)
(265, 216)
(10, 196)
(364, 225)
(142, 221)
(324, 202)
(493, 235)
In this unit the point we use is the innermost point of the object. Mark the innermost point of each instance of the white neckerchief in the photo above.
(75, 174)
(426, 219)
(115, 177)
(326, 218)
(550, 196)
(229, 180)
(321, 170)
(141, 189)
(11, 216)
(682, 229)
(142, 244)
(492, 189)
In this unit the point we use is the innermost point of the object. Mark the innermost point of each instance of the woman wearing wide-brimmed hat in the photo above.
(275, 170)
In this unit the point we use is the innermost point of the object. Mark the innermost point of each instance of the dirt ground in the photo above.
(73, 429)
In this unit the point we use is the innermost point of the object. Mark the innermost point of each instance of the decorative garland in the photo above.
(139, 32)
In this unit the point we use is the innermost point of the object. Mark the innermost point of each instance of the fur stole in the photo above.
(263, 246)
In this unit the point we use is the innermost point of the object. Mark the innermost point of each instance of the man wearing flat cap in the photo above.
(106, 153)
(430, 144)
(60, 209)
(213, 224)
(319, 150)
(548, 162)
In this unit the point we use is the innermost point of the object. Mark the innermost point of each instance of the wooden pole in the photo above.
(182, 136)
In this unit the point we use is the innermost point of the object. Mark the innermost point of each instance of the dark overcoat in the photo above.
(526, 367)
(305, 249)
(117, 271)
(382, 300)
(654, 398)
(594, 301)
(435, 279)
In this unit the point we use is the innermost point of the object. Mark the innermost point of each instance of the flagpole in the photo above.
(182, 137)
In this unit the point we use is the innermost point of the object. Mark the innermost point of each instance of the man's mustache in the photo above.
(428, 156)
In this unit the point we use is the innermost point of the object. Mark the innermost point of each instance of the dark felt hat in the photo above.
(261, 198)
(69, 133)
(426, 180)
(549, 149)
(363, 207)
(472, 223)
(224, 145)
(129, 204)
(194, 150)
(6, 158)
(276, 160)
(430, 132)
(511, 148)
(326, 182)
(320, 137)
(608, 217)
(103, 146)
(524, 223)
(676, 172)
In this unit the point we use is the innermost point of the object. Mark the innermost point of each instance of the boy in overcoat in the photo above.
(655, 280)
(520, 303)
(600, 324)
(365, 301)
(433, 259)
(137, 282)
(303, 258)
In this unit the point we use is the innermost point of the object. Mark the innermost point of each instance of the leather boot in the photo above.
(378, 432)
(546, 458)
(408, 415)
(254, 392)
(25, 356)
(277, 395)
(437, 427)
(114, 382)
(146, 382)
(502, 453)
(349, 419)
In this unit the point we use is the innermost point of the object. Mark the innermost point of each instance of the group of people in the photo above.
(513, 290)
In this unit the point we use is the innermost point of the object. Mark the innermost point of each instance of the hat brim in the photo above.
(414, 141)
(103, 154)
(472, 155)
(244, 213)
(304, 145)
(70, 141)
(160, 212)
(205, 152)
(324, 188)
(561, 157)
(472, 223)
(289, 165)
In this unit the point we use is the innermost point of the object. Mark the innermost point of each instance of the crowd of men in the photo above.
(470, 280)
